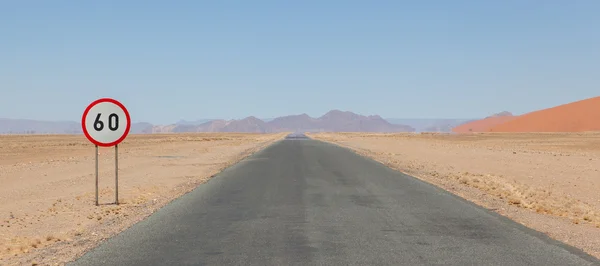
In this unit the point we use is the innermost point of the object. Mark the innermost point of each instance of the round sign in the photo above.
(106, 122)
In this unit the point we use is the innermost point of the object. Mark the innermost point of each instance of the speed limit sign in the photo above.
(106, 122)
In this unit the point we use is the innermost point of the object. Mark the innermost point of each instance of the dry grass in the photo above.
(553, 175)
(541, 200)
(47, 193)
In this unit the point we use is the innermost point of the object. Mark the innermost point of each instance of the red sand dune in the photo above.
(485, 124)
(577, 116)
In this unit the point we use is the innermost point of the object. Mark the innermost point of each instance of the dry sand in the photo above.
(547, 181)
(576, 116)
(47, 200)
(483, 125)
(579, 116)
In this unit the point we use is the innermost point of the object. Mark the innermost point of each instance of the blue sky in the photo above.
(171, 60)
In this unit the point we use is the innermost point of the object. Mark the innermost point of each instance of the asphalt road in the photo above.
(305, 202)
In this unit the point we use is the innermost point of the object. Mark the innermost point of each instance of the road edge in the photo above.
(238, 159)
(505, 219)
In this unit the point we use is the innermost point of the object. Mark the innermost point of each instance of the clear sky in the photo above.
(171, 60)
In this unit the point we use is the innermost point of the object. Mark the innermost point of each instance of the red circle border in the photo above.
(127, 117)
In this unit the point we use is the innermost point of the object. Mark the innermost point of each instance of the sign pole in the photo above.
(96, 175)
(117, 174)
(105, 123)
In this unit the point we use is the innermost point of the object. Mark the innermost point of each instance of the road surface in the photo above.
(306, 202)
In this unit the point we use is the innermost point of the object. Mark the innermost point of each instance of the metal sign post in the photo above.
(96, 175)
(117, 174)
(100, 123)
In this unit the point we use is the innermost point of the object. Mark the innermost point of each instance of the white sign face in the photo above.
(106, 123)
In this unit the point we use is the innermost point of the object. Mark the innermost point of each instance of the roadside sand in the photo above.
(547, 181)
(47, 206)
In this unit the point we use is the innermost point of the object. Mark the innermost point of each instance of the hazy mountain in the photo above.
(337, 121)
(503, 113)
(28, 126)
(333, 121)
(483, 125)
(193, 123)
(295, 123)
(212, 126)
(429, 125)
(249, 124)
(141, 128)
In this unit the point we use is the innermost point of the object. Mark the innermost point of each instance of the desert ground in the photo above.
(547, 181)
(47, 193)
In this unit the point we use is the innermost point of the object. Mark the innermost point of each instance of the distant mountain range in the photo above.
(577, 116)
(27, 126)
(332, 121)
(305, 123)
(193, 123)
